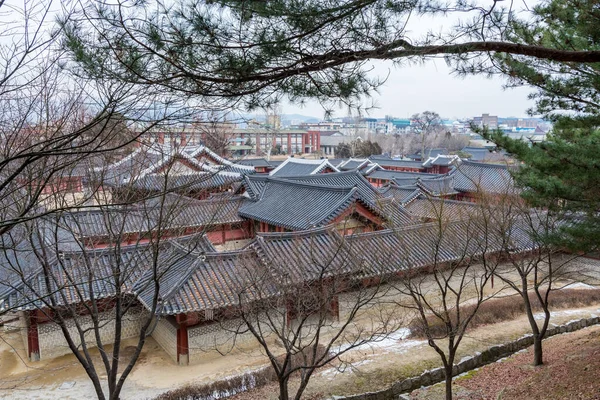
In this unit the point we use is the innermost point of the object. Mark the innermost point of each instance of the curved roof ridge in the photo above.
(308, 185)
(319, 176)
(319, 164)
(483, 165)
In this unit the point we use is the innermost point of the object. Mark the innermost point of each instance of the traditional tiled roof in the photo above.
(475, 177)
(336, 161)
(441, 160)
(95, 267)
(392, 251)
(442, 186)
(349, 179)
(199, 152)
(276, 163)
(134, 164)
(305, 255)
(194, 281)
(410, 177)
(399, 163)
(254, 185)
(188, 183)
(353, 164)
(78, 276)
(343, 179)
(191, 279)
(477, 153)
(378, 157)
(254, 162)
(399, 193)
(234, 169)
(142, 161)
(178, 212)
(394, 214)
(296, 206)
(433, 208)
(152, 159)
(206, 213)
(297, 167)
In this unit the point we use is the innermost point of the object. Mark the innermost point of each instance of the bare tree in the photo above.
(310, 305)
(95, 275)
(428, 125)
(539, 272)
(449, 264)
(51, 122)
(216, 132)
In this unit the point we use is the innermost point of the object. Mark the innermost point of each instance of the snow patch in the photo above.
(561, 313)
(579, 285)
(395, 342)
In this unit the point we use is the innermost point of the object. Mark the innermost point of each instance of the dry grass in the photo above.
(508, 308)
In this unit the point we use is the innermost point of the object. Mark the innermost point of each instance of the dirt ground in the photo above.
(570, 372)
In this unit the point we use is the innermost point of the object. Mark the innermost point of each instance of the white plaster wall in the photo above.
(165, 334)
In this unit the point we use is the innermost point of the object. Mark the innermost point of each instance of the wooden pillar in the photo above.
(183, 351)
(33, 341)
(289, 144)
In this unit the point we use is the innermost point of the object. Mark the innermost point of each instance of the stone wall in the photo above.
(165, 334)
(53, 343)
(488, 356)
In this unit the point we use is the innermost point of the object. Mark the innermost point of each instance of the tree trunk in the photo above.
(448, 369)
(537, 351)
(283, 389)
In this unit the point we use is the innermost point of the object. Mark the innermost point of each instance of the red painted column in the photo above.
(183, 352)
(33, 341)
(289, 144)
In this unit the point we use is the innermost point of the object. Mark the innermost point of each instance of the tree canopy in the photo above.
(562, 173)
(223, 50)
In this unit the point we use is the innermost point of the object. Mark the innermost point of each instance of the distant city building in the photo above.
(285, 141)
(491, 121)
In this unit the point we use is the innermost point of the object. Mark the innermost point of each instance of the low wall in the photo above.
(488, 356)
(53, 343)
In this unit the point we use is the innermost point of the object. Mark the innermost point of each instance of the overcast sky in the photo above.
(432, 87)
(414, 89)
